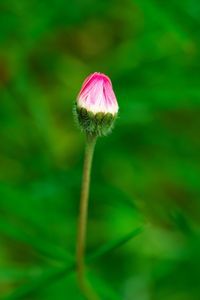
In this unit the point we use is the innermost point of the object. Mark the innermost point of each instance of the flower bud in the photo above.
(96, 105)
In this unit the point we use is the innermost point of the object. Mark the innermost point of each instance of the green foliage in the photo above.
(146, 174)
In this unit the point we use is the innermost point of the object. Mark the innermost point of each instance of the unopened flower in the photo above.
(96, 105)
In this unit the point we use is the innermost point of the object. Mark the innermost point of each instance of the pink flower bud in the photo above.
(97, 95)
(96, 105)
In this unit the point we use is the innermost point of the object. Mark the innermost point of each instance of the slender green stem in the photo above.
(82, 227)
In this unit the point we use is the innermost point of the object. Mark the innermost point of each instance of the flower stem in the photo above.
(82, 227)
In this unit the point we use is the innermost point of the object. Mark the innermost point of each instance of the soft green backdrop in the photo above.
(146, 174)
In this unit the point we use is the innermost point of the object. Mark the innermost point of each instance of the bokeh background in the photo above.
(145, 174)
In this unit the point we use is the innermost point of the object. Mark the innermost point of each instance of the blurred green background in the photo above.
(146, 173)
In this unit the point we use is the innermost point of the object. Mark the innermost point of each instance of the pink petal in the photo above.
(97, 95)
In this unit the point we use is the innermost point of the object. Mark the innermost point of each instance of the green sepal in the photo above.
(99, 124)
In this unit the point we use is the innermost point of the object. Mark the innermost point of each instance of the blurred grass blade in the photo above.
(45, 248)
(48, 277)
(105, 249)
(53, 275)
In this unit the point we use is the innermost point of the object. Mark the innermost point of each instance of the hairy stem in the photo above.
(82, 227)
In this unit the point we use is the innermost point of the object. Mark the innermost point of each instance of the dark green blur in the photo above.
(145, 174)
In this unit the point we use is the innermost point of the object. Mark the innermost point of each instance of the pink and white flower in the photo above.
(97, 95)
